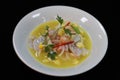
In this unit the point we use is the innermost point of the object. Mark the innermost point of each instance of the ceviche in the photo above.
(59, 43)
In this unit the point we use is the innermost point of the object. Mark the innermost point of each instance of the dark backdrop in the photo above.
(14, 68)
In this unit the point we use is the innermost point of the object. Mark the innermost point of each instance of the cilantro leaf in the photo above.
(49, 47)
(52, 55)
(67, 31)
(60, 20)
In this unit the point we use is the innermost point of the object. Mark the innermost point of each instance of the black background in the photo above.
(14, 68)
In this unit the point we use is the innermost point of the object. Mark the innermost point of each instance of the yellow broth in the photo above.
(60, 61)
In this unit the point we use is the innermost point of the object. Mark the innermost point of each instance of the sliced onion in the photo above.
(77, 38)
(78, 51)
(37, 53)
(36, 43)
(66, 48)
(40, 39)
(63, 49)
(71, 48)
(67, 56)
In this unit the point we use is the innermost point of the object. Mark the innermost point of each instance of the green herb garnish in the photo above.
(67, 31)
(76, 29)
(52, 55)
(49, 49)
(60, 20)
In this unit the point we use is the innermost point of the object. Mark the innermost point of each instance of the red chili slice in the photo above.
(68, 23)
(61, 44)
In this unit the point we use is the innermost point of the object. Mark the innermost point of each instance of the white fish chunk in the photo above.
(34, 43)
(75, 50)
(76, 38)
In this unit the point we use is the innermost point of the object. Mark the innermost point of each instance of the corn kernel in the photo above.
(41, 45)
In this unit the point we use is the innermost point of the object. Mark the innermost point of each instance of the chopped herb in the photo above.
(60, 20)
(52, 55)
(67, 31)
(49, 47)
(76, 29)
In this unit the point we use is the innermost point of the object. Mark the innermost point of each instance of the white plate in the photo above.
(87, 21)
